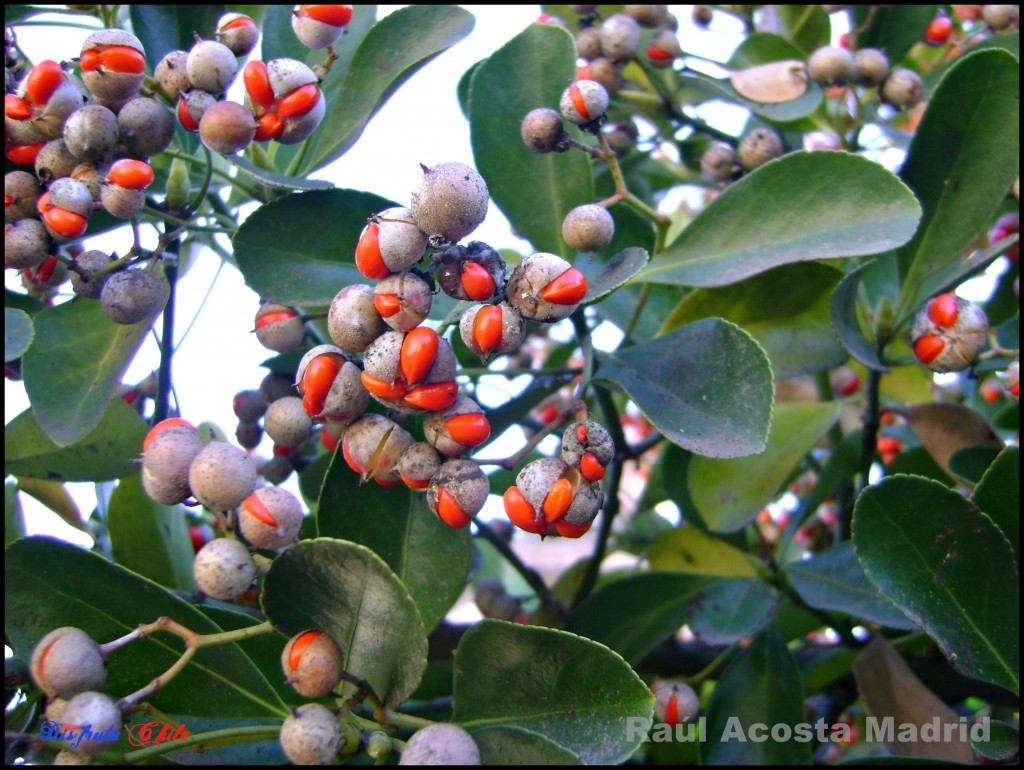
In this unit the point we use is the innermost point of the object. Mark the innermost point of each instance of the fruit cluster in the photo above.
(948, 333)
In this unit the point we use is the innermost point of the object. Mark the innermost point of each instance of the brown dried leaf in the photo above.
(55, 496)
(772, 83)
(944, 429)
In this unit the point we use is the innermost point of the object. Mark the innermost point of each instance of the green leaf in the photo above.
(960, 163)
(392, 50)
(998, 495)
(761, 686)
(710, 391)
(519, 746)
(72, 378)
(347, 591)
(50, 584)
(105, 453)
(834, 580)
(845, 311)
(635, 614)
(604, 278)
(18, 333)
(970, 463)
(790, 210)
(948, 568)
(276, 181)
(149, 538)
(894, 29)
(711, 88)
(300, 250)
(688, 550)
(730, 610)
(807, 26)
(843, 463)
(14, 517)
(796, 334)
(730, 493)
(427, 555)
(574, 691)
(763, 48)
(172, 27)
(1008, 40)
(1003, 743)
(535, 191)
(959, 270)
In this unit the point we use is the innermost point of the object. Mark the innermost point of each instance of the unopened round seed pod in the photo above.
(373, 445)
(418, 465)
(311, 735)
(830, 66)
(720, 164)
(146, 127)
(21, 191)
(171, 73)
(457, 492)
(494, 601)
(133, 295)
(238, 32)
(227, 127)
(450, 202)
(441, 744)
(403, 300)
(474, 272)
(312, 663)
(456, 430)
(249, 434)
(66, 662)
(99, 712)
(121, 202)
(543, 131)
(249, 405)
(588, 43)
(869, 67)
(223, 569)
(211, 66)
(675, 703)
(55, 161)
(222, 476)
(529, 289)
(620, 37)
(902, 88)
(90, 286)
(758, 147)
(270, 517)
(277, 470)
(277, 385)
(584, 102)
(1000, 17)
(649, 16)
(588, 228)
(353, 321)
(402, 244)
(286, 422)
(166, 463)
(606, 72)
(338, 399)
(279, 328)
(26, 244)
(91, 133)
(92, 175)
(113, 66)
(499, 330)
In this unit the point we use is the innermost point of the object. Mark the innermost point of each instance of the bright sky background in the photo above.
(422, 122)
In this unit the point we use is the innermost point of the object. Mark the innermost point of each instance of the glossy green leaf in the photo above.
(427, 555)
(50, 584)
(762, 685)
(687, 549)
(14, 517)
(998, 495)
(575, 692)
(834, 580)
(846, 314)
(711, 89)
(347, 591)
(273, 180)
(710, 391)
(807, 26)
(300, 250)
(729, 610)
(730, 493)
(18, 333)
(71, 379)
(390, 52)
(1008, 40)
(959, 270)
(790, 210)
(635, 614)
(762, 48)
(970, 463)
(1003, 743)
(105, 453)
(148, 538)
(894, 29)
(843, 463)
(796, 334)
(171, 27)
(534, 191)
(604, 278)
(623, 307)
(948, 567)
(519, 746)
(960, 162)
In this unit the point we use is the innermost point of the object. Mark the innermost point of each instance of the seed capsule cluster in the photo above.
(948, 333)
